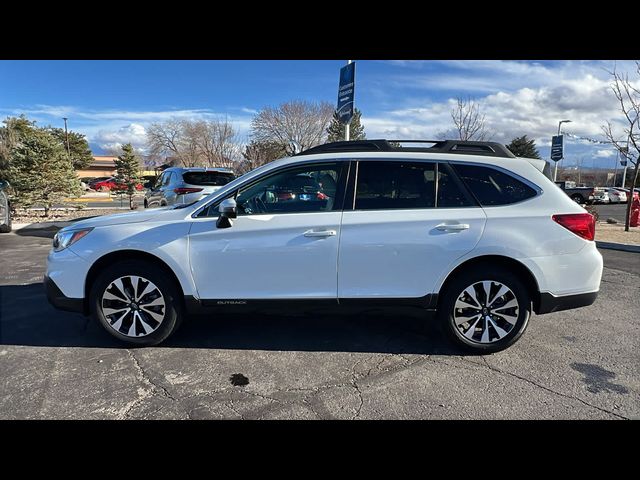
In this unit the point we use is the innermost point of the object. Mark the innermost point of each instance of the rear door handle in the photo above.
(455, 227)
(320, 233)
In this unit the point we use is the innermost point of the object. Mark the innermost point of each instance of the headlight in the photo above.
(62, 240)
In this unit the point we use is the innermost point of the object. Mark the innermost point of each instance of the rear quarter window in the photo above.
(492, 187)
(215, 179)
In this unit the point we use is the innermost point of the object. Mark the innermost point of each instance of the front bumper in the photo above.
(550, 303)
(59, 300)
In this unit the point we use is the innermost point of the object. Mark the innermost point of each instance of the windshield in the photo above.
(207, 178)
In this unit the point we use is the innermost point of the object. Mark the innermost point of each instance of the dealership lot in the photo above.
(580, 364)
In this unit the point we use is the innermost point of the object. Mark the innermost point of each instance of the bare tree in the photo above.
(189, 151)
(219, 143)
(174, 138)
(468, 120)
(163, 138)
(296, 125)
(628, 97)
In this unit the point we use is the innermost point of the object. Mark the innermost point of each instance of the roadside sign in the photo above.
(623, 163)
(557, 147)
(345, 92)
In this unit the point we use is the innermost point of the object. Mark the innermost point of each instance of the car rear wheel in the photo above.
(485, 310)
(576, 197)
(136, 302)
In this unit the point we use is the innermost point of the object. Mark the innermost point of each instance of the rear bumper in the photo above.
(59, 300)
(550, 303)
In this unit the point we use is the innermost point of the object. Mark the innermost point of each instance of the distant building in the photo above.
(104, 166)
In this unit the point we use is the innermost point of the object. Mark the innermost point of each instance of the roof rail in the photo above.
(464, 147)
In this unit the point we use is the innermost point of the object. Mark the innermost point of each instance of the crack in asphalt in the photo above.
(503, 372)
(229, 404)
(154, 388)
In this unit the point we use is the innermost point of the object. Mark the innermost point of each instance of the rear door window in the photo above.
(492, 187)
(215, 179)
(394, 185)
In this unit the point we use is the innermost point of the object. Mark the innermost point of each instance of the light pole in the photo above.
(66, 136)
(555, 170)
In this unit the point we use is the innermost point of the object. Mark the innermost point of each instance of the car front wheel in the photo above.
(136, 302)
(485, 310)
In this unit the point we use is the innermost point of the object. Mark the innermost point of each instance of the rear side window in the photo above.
(391, 185)
(450, 191)
(492, 187)
(216, 179)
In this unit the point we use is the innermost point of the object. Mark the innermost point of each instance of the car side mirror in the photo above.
(228, 210)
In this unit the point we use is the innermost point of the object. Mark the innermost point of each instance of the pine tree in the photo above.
(336, 128)
(81, 155)
(522, 147)
(40, 171)
(128, 171)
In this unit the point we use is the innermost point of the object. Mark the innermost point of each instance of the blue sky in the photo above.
(114, 101)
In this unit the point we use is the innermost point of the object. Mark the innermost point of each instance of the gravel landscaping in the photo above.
(62, 214)
(615, 233)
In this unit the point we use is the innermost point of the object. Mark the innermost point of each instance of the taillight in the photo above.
(582, 224)
(182, 191)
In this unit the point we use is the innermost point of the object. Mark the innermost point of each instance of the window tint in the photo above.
(207, 178)
(388, 185)
(312, 188)
(492, 187)
(166, 179)
(450, 193)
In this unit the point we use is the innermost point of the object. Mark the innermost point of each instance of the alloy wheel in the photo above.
(133, 306)
(486, 311)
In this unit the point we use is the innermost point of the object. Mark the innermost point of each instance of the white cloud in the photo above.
(518, 99)
(134, 133)
(604, 153)
(109, 129)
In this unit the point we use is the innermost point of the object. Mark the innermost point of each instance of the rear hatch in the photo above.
(209, 180)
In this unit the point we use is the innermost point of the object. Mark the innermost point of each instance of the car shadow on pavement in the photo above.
(26, 318)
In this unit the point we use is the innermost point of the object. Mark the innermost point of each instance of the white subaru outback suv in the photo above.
(463, 229)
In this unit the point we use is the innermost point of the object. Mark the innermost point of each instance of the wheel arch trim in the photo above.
(529, 278)
(121, 255)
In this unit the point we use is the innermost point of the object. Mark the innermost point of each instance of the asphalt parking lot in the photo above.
(580, 364)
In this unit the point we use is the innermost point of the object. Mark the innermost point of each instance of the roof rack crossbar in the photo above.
(464, 147)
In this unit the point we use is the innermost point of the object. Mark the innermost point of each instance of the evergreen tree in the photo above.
(336, 128)
(128, 171)
(257, 154)
(14, 129)
(40, 171)
(522, 147)
(81, 155)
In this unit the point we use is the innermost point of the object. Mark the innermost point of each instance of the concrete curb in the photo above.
(623, 247)
(40, 225)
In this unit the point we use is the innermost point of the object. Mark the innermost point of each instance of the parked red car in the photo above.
(111, 184)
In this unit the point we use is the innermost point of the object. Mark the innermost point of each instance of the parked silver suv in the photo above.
(186, 185)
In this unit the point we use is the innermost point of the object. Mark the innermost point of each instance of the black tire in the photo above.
(576, 197)
(173, 308)
(468, 278)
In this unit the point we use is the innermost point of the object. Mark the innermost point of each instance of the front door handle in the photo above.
(320, 233)
(455, 227)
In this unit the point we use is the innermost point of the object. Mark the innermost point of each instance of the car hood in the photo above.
(121, 218)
